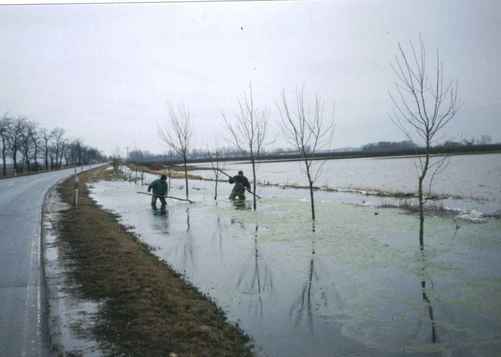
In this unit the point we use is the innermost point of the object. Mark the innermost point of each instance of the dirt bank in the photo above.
(174, 172)
(146, 308)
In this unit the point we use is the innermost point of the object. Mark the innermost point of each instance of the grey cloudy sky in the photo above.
(105, 73)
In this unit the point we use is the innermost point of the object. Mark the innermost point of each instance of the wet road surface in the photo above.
(23, 329)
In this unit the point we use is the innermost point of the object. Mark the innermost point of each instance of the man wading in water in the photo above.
(159, 187)
(241, 184)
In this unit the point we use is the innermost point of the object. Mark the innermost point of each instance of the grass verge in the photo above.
(147, 309)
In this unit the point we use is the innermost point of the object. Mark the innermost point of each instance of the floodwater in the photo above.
(469, 182)
(357, 286)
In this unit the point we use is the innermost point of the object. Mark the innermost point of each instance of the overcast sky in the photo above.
(105, 73)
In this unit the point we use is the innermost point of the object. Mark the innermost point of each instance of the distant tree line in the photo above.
(138, 155)
(482, 140)
(25, 146)
(406, 147)
(390, 145)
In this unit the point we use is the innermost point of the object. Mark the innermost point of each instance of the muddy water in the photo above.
(357, 286)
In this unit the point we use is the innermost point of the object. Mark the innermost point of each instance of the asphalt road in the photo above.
(23, 319)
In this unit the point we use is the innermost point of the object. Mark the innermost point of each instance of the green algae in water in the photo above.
(355, 286)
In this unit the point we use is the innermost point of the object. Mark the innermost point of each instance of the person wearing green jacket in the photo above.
(241, 185)
(159, 187)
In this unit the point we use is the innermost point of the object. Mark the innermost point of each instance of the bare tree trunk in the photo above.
(215, 164)
(215, 185)
(46, 154)
(254, 203)
(27, 160)
(4, 157)
(427, 301)
(312, 195)
(35, 157)
(421, 194)
(186, 177)
(421, 212)
(14, 159)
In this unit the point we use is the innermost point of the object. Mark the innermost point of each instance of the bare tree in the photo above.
(178, 136)
(5, 130)
(46, 138)
(27, 147)
(67, 154)
(308, 128)
(217, 166)
(424, 103)
(16, 134)
(63, 153)
(20, 136)
(248, 132)
(36, 143)
(57, 135)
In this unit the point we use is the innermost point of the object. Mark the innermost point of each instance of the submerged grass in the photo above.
(147, 309)
(429, 209)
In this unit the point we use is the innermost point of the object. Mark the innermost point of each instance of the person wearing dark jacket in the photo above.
(241, 185)
(159, 187)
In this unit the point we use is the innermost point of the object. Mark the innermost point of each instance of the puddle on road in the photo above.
(358, 286)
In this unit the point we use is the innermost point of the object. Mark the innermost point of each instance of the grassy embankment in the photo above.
(147, 308)
(174, 172)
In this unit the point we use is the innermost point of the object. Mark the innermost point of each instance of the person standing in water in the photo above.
(241, 185)
(159, 187)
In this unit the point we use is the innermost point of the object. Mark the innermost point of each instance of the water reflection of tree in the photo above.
(256, 278)
(302, 307)
(187, 219)
(217, 236)
(188, 262)
(427, 300)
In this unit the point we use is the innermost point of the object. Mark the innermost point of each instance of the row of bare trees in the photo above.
(25, 146)
(306, 125)
(424, 102)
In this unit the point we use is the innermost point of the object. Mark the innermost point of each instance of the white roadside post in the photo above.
(76, 190)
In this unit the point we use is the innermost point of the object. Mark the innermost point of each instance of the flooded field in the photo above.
(357, 286)
(469, 182)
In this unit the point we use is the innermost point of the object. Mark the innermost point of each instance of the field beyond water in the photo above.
(357, 286)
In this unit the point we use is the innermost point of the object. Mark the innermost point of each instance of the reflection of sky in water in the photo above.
(355, 287)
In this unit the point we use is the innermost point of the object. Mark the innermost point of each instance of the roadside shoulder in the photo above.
(139, 305)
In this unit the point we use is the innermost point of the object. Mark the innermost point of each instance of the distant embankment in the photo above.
(333, 155)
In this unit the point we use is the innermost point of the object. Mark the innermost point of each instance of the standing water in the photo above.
(357, 286)
(465, 182)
